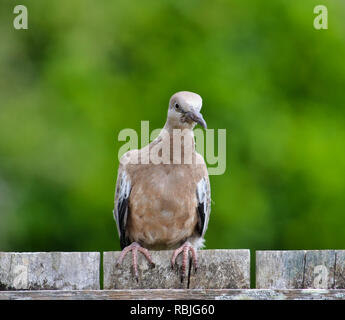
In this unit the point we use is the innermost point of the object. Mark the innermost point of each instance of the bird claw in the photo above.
(135, 247)
(185, 249)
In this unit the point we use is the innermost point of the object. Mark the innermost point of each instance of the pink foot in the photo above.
(135, 247)
(185, 248)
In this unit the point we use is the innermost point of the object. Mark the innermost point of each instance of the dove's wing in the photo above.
(121, 210)
(203, 193)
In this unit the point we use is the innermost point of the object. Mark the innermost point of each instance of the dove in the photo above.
(162, 195)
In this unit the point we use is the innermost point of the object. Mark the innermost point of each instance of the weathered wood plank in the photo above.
(161, 276)
(217, 269)
(178, 294)
(308, 269)
(220, 269)
(319, 269)
(339, 275)
(279, 269)
(49, 270)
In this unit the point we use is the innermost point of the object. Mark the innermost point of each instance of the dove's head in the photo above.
(184, 110)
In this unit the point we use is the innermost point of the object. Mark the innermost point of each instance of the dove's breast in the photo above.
(162, 206)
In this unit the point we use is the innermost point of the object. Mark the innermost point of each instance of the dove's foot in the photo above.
(185, 249)
(135, 247)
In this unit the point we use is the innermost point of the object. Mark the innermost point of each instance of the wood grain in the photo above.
(49, 270)
(221, 269)
(279, 269)
(307, 269)
(319, 269)
(216, 269)
(339, 269)
(280, 274)
(178, 294)
(161, 276)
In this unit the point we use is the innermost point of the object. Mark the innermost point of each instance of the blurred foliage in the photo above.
(84, 70)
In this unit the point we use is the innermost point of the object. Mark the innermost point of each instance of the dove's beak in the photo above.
(197, 117)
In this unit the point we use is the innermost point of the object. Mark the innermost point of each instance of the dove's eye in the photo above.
(177, 107)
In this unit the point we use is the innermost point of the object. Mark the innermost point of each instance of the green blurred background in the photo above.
(85, 70)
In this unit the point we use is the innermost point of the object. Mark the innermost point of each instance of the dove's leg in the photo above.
(185, 249)
(135, 247)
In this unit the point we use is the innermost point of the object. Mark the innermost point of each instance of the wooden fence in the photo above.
(221, 274)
